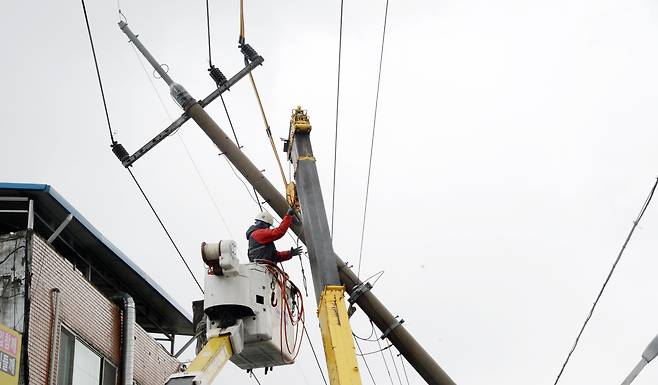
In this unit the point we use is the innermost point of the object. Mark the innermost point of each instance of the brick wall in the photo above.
(90, 315)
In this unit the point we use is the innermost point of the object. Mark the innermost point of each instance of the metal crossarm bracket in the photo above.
(185, 116)
(358, 291)
(391, 328)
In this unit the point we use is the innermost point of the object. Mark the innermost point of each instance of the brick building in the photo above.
(74, 310)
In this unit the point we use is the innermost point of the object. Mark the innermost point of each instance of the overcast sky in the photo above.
(516, 142)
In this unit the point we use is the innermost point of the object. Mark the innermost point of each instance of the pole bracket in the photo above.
(358, 292)
(391, 328)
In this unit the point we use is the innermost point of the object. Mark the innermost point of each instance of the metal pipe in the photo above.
(127, 339)
(133, 39)
(54, 337)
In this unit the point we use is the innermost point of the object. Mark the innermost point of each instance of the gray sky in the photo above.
(515, 145)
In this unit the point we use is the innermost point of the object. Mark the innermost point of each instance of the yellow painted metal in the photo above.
(211, 359)
(337, 337)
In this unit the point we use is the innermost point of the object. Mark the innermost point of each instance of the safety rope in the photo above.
(268, 131)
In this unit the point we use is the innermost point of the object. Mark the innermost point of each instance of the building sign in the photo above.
(10, 355)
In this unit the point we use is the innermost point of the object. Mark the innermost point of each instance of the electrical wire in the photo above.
(314, 354)
(165, 229)
(252, 374)
(221, 97)
(208, 29)
(365, 361)
(268, 131)
(98, 72)
(11, 253)
(375, 351)
(182, 141)
(237, 142)
(395, 366)
(607, 279)
(372, 138)
(107, 116)
(333, 185)
(403, 367)
(384, 358)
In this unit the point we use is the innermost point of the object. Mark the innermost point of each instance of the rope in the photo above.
(607, 279)
(340, 50)
(372, 139)
(268, 131)
(107, 116)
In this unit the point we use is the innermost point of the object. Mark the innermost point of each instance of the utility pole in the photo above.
(359, 291)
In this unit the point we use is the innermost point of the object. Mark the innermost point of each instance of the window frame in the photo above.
(71, 365)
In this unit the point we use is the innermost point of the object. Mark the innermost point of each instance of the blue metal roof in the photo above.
(172, 317)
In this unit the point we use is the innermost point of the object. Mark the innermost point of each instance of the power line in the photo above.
(314, 354)
(187, 150)
(252, 374)
(384, 358)
(372, 138)
(364, 360)
(107, 116)
(403, 367)
(98, 72)
(340, 50)
(395, 366)
(607, 279)
(208, 29)
(165, 229)
(221, 97)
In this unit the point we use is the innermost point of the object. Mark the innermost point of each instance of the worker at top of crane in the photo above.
(261, 238)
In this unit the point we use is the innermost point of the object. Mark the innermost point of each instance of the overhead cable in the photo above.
(372, 138)
(107, 116)
(221, 97)
(395, 366)
(268, 131)
(404, 369)
(364, 360)
(333, 185)
(314, 354)
(384, 358)
(607, 279)
(187, 150)
(98, 72)
(165, 229)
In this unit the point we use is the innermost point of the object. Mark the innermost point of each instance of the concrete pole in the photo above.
(371, 306)
(368, 302)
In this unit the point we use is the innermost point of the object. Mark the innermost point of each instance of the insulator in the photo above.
(217, 75)
(248, 52)
(120, 151)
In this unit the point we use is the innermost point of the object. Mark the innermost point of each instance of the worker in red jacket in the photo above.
(261, 238)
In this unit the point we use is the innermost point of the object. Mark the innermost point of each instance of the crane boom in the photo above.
(360, 293)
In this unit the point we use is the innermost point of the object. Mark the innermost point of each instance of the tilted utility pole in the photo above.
(359, 291)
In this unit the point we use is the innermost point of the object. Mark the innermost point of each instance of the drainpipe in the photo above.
(128, 339)
(54, 337)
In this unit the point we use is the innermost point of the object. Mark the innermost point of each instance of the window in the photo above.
(109, 373)
(79, 365)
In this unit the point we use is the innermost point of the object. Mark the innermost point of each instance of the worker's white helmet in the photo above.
(266, 217)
